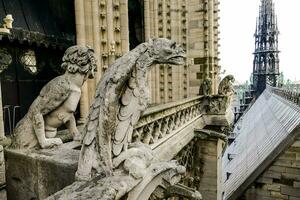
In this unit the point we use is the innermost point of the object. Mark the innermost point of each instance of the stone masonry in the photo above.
(281, 180)
(103, 25)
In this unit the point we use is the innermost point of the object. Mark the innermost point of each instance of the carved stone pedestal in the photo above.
(36, 174)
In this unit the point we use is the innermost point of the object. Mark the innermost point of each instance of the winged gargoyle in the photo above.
(56, 103)
(121, 97)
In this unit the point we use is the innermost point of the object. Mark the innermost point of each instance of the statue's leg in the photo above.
(39, 129)
(71, 125)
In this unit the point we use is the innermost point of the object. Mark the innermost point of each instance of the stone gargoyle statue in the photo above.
(111, 166)
(205, 88)
(56, 103)
(226, 86)
(121, 97)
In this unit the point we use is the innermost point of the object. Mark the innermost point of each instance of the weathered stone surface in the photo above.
(121, 97)
(290, 191)
(38, 174)
(56, 103)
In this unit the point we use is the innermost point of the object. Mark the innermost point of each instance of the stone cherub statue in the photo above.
(226, 86)
(121, 97)
(56, 103)
(205, 88)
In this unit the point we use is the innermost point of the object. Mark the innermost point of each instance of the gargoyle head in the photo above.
(166, 51)
(230, 78)
(80, 59)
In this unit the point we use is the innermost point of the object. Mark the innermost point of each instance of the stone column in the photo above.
(81, 40)
(96, 38)
(208, 156)
(124, 26)
(110, 30)
(147, 18)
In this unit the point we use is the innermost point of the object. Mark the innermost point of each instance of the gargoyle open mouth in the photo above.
(177, 60)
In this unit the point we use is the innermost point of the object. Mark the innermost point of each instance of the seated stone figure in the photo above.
(56, 103)
(205, 88)
(226, 86)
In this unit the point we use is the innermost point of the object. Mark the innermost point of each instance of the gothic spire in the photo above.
(266, 60)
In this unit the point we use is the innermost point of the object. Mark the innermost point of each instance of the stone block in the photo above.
(296, 144)
(296, 184)
(278, 195)
(294, 198)
(3, 195)
(294, 192)
(38, 174)
(271, 174)
(291, 176)
(263, 193)
(283, 163)
(274, 187)
(293, 170)
(288, 156)
(264, 180)
(277, 169)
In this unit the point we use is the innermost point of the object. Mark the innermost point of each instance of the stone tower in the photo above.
(266, 60)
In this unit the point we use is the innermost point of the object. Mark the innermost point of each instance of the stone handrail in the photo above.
(160, 121)
(286, 94)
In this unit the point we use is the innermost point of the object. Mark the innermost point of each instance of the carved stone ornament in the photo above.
(56, 103)
(226, 86)
(111, 165)
(121, 97)
(5, 59)
(205, 88)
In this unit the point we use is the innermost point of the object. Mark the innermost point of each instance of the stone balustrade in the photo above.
(286, 94)
(158, 122)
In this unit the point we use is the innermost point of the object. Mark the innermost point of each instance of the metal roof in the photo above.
(268, 128)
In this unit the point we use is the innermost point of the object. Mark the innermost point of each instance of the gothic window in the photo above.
(28, 60)
(5, 59)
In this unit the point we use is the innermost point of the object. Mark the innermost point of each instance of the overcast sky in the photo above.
(237, 20)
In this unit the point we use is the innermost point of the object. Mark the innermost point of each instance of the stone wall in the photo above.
(168, 19)
(281, 180)
(103, 25)
(203, 43)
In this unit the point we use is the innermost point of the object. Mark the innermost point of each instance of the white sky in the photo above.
(237, 26)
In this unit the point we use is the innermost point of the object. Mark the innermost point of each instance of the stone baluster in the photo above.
(157, 133)
(148, 137)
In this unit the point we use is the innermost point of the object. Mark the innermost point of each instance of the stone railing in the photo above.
(158, 122)
(286, 94)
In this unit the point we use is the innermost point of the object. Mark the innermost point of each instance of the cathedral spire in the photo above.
(266, 60)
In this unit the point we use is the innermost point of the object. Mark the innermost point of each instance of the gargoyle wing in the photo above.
(131, 108)
(53, 95)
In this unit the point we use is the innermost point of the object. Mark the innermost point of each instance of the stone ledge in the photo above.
(208, 134)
